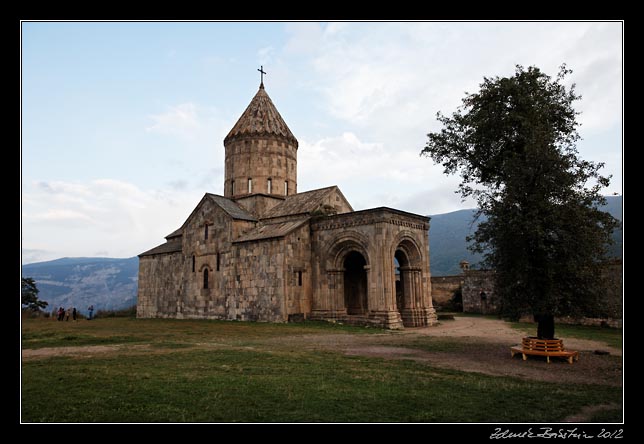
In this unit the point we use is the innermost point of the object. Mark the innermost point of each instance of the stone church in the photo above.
(265, 252)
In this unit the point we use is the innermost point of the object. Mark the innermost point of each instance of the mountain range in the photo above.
(105, 283)
(111, 284)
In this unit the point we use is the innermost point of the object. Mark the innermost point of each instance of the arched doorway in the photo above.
(355, 283)
(403, 296)
(407, 263)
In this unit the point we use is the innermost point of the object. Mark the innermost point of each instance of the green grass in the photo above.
(39, 333)
(610, 336)
(206, 371)
(250, 386)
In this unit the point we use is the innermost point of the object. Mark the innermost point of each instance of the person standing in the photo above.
(61, 313)
(74, 313)
(68, 312)
(483, 297)
(90, 309)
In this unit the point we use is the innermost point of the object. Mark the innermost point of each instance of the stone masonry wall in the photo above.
(298, 272)
(443, 289)
(474, 280)
(159, 285)
(198, 301)
(376, 234)
(258, 204)
(254, 285)
(260, 159)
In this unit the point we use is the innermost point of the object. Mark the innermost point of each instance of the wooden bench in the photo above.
(544, 347)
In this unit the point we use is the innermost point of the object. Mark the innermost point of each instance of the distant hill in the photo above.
(112, 283)
(103, 282)
(447, 246)
(447, 233)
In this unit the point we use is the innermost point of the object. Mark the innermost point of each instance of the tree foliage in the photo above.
(514, 145)
(30, 295)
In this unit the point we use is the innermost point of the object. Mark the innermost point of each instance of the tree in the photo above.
(514, 145)
(30, 295)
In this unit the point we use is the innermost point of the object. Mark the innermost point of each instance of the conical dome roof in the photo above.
(261, 118)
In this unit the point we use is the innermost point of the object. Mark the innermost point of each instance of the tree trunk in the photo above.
(546, 326)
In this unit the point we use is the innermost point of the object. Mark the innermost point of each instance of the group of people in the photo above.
(63, 315)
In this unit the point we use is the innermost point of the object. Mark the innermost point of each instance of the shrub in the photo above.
(129, 312)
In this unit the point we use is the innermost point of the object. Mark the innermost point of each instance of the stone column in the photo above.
(331, 304)
(418, 288)
(369, 289)
(408, 287)
(384, 313)
(419, 312)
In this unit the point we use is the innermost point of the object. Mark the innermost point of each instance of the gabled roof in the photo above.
(230, 207)
(261, 118)
(301, 203)
(271, 231)
(172, 246)
(176, 233)
(233, 209)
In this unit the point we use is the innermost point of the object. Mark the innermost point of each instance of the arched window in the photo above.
(286, 188)
(205, 231)
(232, 187)
(250, 185)
(205, 278)
(193, 263)
(269, 186)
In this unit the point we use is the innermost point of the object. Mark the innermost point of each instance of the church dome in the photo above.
(261, 118)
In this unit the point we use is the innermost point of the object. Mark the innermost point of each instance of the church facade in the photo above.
(264, 252)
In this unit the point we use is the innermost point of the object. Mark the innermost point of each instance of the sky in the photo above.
(122, 123)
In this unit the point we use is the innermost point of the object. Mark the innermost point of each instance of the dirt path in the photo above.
(87, 350)
(586, 414)
(475, 345)
(499, 331)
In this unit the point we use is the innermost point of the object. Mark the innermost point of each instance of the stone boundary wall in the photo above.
(443, 289)
(475, 280)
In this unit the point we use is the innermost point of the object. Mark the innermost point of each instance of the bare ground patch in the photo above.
(586, 414)
(474, 345)
(85, 350)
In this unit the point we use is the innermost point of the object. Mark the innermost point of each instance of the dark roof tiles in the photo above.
(231, 208)
(301, 203)
(271, 231)
(261, 118)
(171, 246)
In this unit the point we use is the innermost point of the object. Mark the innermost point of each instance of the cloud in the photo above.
(385, 82)
(369, 174)
(64, 215)
(178, 184)
(181, 119)
(107, 215)
(31, 255)
(381, 76)
(265, 55)
(303, 37)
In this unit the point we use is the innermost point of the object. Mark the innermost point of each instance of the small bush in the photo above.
(455, 304)
(34, 314)
(129, 312)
